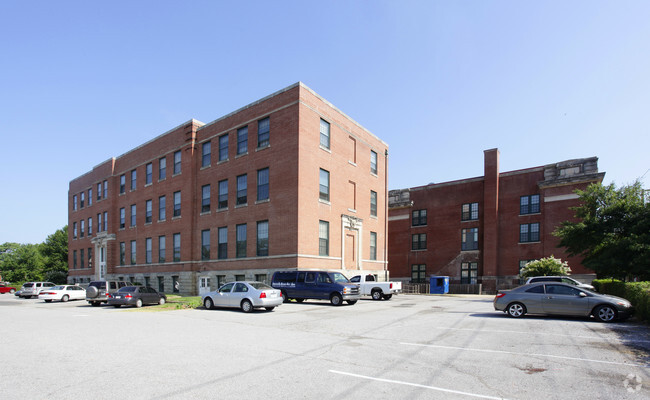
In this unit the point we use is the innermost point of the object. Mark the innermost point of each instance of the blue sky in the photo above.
(439, 81)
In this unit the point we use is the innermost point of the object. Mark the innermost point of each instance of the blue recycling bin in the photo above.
(439, 285)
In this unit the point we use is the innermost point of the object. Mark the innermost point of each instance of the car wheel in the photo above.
(516, 310)
(269, 308)
(94, 303)
(138, 303)
(12, 291)
(48, 301)
(285, 299)
(299, 300)
(161, 301)
(65, 298)
(117, 305)
(336, 299)
(387, 296)
(605, 313)
(208, 304)
(376, 294)
(352, 302)
(246, 306)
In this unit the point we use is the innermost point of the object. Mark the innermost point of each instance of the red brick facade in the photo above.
(506, 233)
(281, 159)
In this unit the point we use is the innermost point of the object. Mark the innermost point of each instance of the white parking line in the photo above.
(415, 385)
(536, 333)
(525, 354)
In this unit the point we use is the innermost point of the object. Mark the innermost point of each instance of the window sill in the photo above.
(374, 174)
(263, 147)
(325, 148)
(148, 184)
(205, 213)
(263, 201)
(352, 210)
(162, 220)
(162, 180)
(206, 167)
(176, 174)
(223, 161)
(175, 218)
(539, 241)
(324, 202)
(222, 209)
(241, 155)
(419, 250)
(352, 163)
(241, 205)
(525, 215)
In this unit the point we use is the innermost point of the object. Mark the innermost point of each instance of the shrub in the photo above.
(548, 266)
(638, 293)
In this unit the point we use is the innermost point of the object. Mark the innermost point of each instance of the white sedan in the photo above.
(244, 295)
(63, 293)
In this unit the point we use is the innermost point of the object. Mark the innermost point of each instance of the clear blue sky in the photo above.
(439, 81)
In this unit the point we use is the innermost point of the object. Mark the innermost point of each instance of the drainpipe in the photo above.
(386, 217)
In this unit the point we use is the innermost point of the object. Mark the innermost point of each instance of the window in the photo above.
(242, 198)
(122, 218)
(206, 154)
(82, 259)
(162, 200)
(162, 168)
(74, 259)
(324, 134)
(134, 178)
(122, 183)
(83, 199)
(262, 238)
(90, 257)
(90, 197)
(99, 191)
(323, 238)
(177, 246)
(83, 228)
(161, 249)
(133, 250)
(99, 223)
(469, 239)
(90, 226)
(324, 185)
(373, 246)
(241, 241)
(205, 244)
(419, 217)
(148, 174)
(148, 217)
(373, 162)
(161, 284)
(263, 184)
(242, 140)
(74, 202)
(148, 250)
(205, 198)
(419, 241)
(223, 147)
(469, 273)
(223, 243)
(105, 189)
(469, 212)
(223, 194)
(529, 204)
(373, 203)
(529, 232)
(133, 215)
(177, 162)
(177, 204)
(263, 132)
(418, 273)
(105, 220)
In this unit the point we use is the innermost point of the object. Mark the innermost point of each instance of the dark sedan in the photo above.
(136, 296)
(555, 298)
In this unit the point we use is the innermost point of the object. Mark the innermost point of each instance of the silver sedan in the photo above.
(555, 298)
(244, 295)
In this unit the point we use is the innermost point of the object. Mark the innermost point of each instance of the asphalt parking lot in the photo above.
(411, 347)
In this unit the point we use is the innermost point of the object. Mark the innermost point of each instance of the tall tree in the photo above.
(55, 251)
(613, 232)
(24, 263)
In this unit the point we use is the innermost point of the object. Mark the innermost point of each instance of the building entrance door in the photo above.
(204, 285)
(350, 254)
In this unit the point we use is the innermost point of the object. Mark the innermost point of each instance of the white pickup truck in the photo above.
(369, 286)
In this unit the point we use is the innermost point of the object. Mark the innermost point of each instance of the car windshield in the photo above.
(28, 285)
(339, 277)
(127, 289)
(260, 285)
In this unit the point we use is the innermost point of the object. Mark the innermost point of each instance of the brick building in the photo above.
(287, 182)
(483, 230)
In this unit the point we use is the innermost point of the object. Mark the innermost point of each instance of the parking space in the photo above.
(416, 347)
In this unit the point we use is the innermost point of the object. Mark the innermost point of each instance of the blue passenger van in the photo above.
(319, 285)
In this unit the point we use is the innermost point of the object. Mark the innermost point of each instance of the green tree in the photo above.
(24, 263)
(55, 251)
(613, 232)
(549, 266)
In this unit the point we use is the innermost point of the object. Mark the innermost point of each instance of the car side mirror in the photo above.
(582, 294)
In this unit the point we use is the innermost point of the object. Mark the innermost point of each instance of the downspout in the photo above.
(386, 217)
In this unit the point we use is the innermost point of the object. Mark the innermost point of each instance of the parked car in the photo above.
(97, 292)
(63, 293)
(564, 279)
(369, 286)
(136, 296)
(556, 298)
(244, 295)
(33, 289)
(7, 289)
(320, 285)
